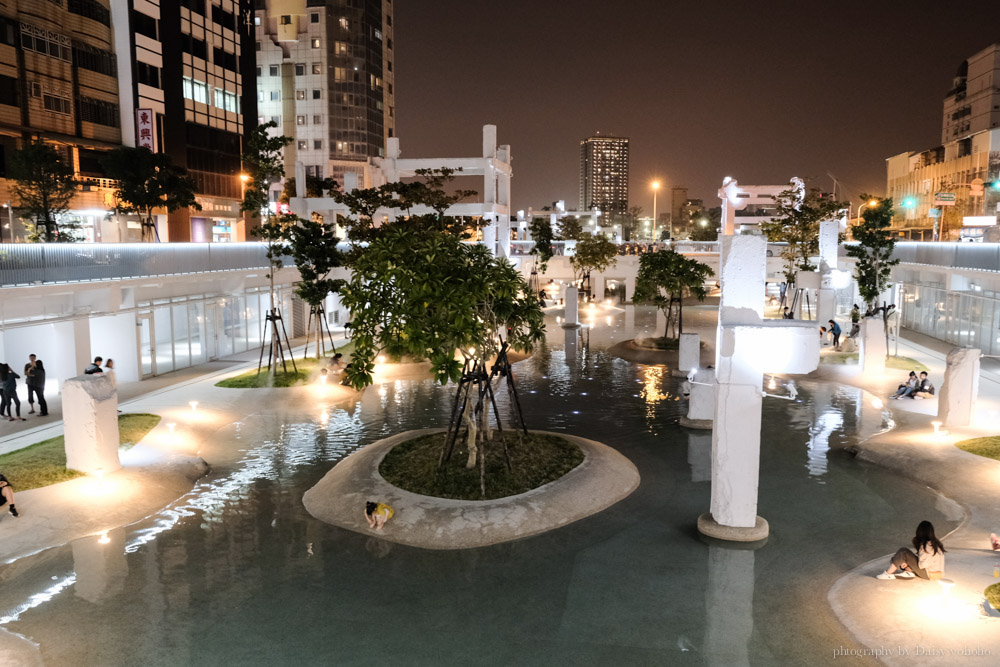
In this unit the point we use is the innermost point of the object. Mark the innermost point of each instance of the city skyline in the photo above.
(806, 122)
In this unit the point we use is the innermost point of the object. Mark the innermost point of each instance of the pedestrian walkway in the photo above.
(917, 620)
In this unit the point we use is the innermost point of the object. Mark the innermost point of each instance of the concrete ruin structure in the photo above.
(957, 402)
(90, 419)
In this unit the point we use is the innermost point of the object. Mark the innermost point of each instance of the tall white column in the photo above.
(957, 402)
(572, 311)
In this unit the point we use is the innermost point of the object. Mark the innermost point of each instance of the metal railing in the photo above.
(41, 263)
(979, 256)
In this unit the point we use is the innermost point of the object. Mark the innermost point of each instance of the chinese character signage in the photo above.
(144, 128)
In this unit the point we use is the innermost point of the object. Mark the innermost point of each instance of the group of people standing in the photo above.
(34, 378)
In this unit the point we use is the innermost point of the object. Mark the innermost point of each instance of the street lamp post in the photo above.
(656, 187)
(869, 203)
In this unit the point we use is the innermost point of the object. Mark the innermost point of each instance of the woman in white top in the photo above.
(109, 370)
(926, 563)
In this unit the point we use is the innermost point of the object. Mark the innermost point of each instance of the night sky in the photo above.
(757, 91)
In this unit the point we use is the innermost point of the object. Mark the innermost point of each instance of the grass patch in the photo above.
(894, 363)
(306, 369)
(992, 594)
(412, 465)
(44, 463)
(988, 447)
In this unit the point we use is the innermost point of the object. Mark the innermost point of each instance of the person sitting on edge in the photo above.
(924, 388)
(787, 314)
(911, 383)
(834, 330)
(377, 514)
(94, 367)
(7, 496)
(337, 363)
(926, 563)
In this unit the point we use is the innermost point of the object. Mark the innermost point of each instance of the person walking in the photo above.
(8, 384)
(34, 377)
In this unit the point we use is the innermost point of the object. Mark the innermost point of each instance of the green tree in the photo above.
(594, 252)
(570, 228)
(448, 296)
(663, 280)
(705, 225)
(44, 187)
(313, 247)
(796, 222)
(541, 233)
(147, 181)
(873, 251)
(262, 166)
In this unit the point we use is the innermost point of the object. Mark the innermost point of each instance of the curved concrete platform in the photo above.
(703, 424)
(707, 525)
(604, 478)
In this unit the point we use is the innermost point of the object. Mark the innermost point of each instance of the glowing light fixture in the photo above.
(877, 403)
(104, 539)
(194, 405)
(937, 427)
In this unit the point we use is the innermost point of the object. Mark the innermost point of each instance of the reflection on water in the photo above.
(237, 572)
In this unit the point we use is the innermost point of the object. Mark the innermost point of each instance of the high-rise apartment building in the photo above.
(973, 103)
(187, 86)
(176, 77)
(59, 83)
(604, 175)
(325, 76)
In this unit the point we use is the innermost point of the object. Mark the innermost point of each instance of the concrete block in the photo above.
(829, 240)
(701, 402)
(742, 274)
(826, 308)
(572, 318)
(807, 279)
(690, 351)
(90, 421)
(960, 389)
(872, 346)
(736, 455)
(745, 353)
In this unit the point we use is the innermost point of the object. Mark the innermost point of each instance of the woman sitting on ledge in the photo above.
(7, 496)
(926, 563)
(377, 514)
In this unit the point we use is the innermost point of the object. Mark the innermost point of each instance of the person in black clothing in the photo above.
(94, 367)
(8, 383)
(7, 496)
(34, 375)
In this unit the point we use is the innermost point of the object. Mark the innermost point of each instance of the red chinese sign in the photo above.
(144, 128)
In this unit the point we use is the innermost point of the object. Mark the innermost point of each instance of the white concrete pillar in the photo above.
(872, 350)
(701, 400)
(736, 456)
(572, 318)
(689, 353)
(300, 179)
(597, 285)
(90, 423)
(490, 237)
(629, 321)
(570, 344)
(629, 288)
(742, 275)
(489, 141)
(960, 389)
(729, 606)
(81, 344)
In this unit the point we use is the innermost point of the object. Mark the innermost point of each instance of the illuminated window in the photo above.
(317, 68)
(300, 94)
(316, 43)
(300, 120)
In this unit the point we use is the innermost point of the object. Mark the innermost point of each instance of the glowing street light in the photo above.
(656, 187)
(194, 405)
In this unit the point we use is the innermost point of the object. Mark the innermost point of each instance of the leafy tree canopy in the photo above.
(313, 246)
(541, 233)
(263, 165)
(796, 222)
(873, 250)
(423, 293)
(710, 230)
(665, 277)
(570, 228)
(43, 186)
(594, 252)
(146, 181)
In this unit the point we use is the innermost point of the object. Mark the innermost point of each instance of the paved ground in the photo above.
(923, 621)
(157, 471)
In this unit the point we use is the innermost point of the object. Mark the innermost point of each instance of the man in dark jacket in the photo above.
(94, 367)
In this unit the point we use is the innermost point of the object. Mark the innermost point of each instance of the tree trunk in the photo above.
(680, 317)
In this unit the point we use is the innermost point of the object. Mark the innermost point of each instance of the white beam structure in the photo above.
(494, 194)
(736, 198)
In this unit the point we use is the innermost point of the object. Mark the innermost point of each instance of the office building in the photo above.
(604, 175)
(973, 103)
(325, 76)
(59, 83)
